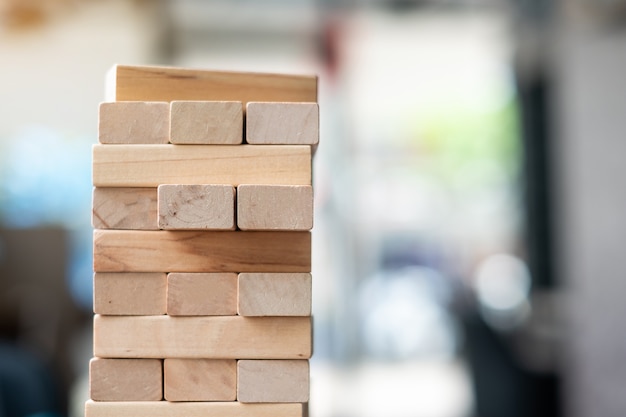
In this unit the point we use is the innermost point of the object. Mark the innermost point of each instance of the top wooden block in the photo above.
(134, 122)
(144, 83)
(282, 123)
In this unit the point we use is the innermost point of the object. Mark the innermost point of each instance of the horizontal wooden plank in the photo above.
(201, 251)
(150, 83)
(217, 337)
(192, 409)
(152, 165)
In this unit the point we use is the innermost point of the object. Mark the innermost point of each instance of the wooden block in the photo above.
(153, 165)
(134, 122)
(126, 379)
(201, 206)
(217, 337)
(282, 123)
(124, 208)
(191, 409)
(273, 381)
(274, 294)
(274, 207)
(202, 294)
(206, 122)
(200, 379)
(130, 293)
(142, 83)
(201, 251)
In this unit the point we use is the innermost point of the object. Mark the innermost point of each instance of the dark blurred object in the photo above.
(37, 320)
(534, 99)
(503, 386)
(27, 386)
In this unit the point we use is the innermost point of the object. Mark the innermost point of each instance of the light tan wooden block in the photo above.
(217, 337)
(273, 381)
(134, 122)
(282, 123)
(200, 379)
(124, 208)
(201, 206)
(130, 293)
(143, 83)
(202, 294)
(201, 251)
(153, 165)
(274, 294)
(191, 409)
(126, 379)
(274, 207)
(206, 122)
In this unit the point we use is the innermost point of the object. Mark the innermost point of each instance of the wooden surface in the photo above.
(274, 294)
(134, 122)
(126, 379)
(218, 337)
(143, 83)
(206, 122)
(130, 293)
(201, 251)
(152, 165)
(273, 381)
(274, 207)
(282, 123)
(200, 379)
(124, 208)
(191, 409)
(201, 206)
(202, 294)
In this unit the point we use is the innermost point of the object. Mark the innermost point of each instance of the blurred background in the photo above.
(469, 237)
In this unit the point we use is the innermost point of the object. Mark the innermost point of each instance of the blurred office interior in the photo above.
(468, 237)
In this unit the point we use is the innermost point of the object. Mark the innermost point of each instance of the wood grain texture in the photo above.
(202, 294)
(282, 123)
(196, 207)
(206, 122)
(134, 122)
(144, 83)
(274, 207)
(200, 379)
(191, 409)
(124, 208)
(201, 251)
(273, 381)
(153, 165)
(130, 293)
(218, 337)
(274, 294)
(126, 379)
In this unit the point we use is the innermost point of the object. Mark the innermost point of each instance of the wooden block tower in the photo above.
(202, 210)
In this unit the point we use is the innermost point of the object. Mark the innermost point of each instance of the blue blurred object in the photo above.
(45, 179)
(405, 316)
(27, 385)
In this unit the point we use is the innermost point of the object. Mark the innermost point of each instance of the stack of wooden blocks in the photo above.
(203, 208)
